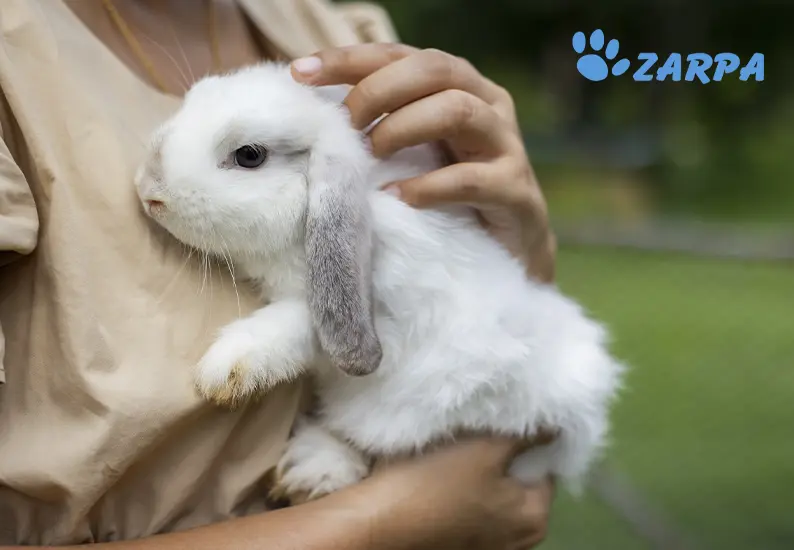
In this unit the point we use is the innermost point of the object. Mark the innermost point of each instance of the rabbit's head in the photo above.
(253, 164)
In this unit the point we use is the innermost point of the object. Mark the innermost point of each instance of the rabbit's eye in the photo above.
(250, 156)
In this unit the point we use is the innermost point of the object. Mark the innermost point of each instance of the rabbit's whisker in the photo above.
(186, 82)
(184, 58)
(227, 256)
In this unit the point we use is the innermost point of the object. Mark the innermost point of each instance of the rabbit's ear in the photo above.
(338, 255)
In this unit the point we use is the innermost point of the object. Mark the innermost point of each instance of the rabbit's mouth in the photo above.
(196, 232)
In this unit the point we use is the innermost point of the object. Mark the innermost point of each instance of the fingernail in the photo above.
(308, 66)
(393, 190)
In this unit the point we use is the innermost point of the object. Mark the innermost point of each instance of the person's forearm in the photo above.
(342, 522)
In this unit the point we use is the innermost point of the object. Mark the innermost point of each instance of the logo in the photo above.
(596, 65)
(593, 66)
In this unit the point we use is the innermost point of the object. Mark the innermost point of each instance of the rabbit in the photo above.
(416, 324)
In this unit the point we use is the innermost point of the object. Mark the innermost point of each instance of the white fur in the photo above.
(317, 463)
(468, 341)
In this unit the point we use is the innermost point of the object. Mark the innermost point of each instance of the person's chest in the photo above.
(177, 41)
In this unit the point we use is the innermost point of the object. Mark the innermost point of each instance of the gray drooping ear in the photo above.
(338, 255)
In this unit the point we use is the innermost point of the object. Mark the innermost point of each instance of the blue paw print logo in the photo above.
(593, 66)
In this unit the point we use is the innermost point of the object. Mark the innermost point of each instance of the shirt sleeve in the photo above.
(370, 21)
(19, 222)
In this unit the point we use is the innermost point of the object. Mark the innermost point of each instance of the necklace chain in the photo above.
(144, 60)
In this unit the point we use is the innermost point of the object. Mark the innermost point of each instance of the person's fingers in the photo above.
(497, 452)
(413, 77)
(535, 510)
(467, 122)
(461, 183)
(470, 183)
(493, 453)
(520, 446)
(544, 436)
(409, 73)
(347, 65)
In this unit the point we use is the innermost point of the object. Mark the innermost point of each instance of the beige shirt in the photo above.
(101, 435)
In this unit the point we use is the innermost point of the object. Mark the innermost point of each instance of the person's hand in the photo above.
(455, 497)
(432, 96)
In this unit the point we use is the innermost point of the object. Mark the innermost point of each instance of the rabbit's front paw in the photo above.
(226, 374)
(314, 465)
(254, 354)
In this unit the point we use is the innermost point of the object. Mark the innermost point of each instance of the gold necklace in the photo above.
(144, 60)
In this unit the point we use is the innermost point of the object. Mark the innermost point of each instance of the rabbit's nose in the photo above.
(154, 206)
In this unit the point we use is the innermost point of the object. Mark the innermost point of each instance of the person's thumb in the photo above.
(541, 438)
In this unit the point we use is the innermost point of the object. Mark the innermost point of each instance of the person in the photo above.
(102, 437)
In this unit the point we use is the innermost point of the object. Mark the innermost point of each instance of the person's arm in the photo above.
(340, 521)
(455, 497)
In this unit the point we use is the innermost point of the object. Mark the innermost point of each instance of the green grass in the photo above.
(706, 427)
(586, 524)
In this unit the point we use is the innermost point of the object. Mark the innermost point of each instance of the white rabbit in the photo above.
(415, 323)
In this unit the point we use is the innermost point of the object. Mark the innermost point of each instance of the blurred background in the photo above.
(674, 207)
